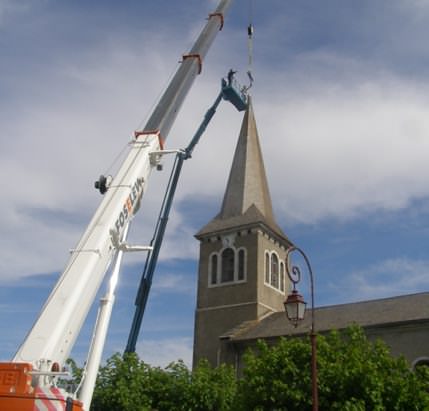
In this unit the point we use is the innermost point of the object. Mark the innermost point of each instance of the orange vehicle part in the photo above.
(17, 393)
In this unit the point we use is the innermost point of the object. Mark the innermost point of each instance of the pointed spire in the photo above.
(247, 199)
(247, 183)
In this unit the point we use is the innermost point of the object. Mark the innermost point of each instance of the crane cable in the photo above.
(250, 44)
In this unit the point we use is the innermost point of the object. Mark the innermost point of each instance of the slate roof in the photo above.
(382, 312)
(247, 199)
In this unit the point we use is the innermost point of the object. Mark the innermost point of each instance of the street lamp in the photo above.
(295, 309)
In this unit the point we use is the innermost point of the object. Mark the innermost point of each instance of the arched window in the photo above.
(213, 269)
(227, 266)
(267, 267)
(241, 264)
(274, 274)
(274, 271)
(282, 276)
(420, 362)
(228, 262)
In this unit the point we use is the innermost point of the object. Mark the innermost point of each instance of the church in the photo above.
(242, 280)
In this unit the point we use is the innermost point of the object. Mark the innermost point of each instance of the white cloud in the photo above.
(337, 153)
(54, 150)
(176, 283)
(334, 145)
(332, 151)
(160, 353)
(394, 276)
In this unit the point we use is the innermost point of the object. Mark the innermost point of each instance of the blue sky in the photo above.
(341, 102)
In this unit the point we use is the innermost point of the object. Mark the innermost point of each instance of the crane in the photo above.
(28, 381)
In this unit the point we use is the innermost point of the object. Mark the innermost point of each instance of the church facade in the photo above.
(242, 280)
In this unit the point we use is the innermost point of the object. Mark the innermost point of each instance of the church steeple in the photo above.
(242, 273)
(247, 198)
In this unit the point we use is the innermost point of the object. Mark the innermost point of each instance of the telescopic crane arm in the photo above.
(232, 92)
(49, 342)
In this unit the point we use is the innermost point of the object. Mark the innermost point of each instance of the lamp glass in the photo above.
(295, 307)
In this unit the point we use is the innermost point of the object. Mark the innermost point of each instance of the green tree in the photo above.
(122, 385)
(353, 375)
(125, 383)
(363, 374)
(176, 388)
(71, 382)
(168, 387)
(212, 389)
(276, 377)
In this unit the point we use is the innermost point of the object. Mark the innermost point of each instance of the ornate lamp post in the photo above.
(295, 309)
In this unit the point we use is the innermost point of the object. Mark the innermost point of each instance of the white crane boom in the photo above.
(50, 340)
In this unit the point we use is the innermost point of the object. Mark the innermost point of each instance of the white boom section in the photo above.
(58, 325)
(100, 332)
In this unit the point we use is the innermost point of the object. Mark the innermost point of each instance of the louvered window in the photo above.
(228, 261)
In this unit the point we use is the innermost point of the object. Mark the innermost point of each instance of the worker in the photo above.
(231, 76)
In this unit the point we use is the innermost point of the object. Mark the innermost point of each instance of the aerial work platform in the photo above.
(234, 93)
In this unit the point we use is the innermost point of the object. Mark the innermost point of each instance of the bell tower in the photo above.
(242, 274)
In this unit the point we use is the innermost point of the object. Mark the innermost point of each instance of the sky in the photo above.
(341, 100)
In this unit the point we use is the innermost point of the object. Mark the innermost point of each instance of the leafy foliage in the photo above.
(71, 382)
(122, 385)
(366, 375)
(354, 374)
(126, 384)
(276, 377)
(212, 389)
